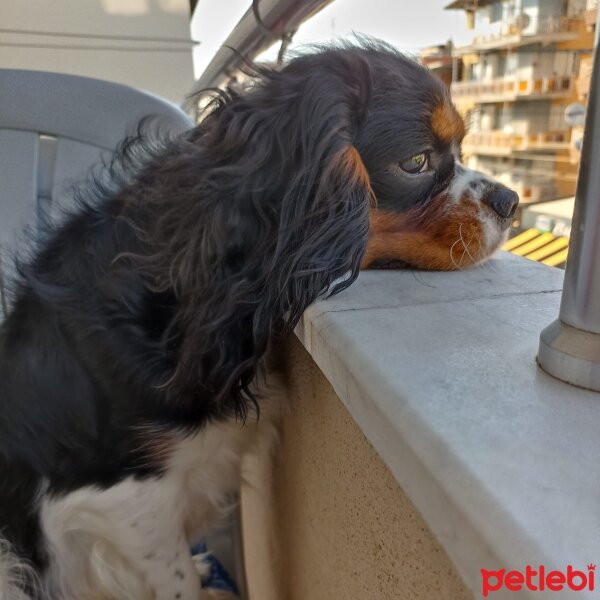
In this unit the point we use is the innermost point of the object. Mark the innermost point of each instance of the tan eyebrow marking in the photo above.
(446, 123)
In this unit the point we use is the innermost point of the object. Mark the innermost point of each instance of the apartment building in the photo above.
(439, 60)
(519, 73)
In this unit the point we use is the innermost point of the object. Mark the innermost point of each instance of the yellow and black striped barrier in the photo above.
(540, 246)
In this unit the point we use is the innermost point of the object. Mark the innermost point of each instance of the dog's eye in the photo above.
(415, 164)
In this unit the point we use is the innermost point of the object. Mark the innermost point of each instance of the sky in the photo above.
(407, 24)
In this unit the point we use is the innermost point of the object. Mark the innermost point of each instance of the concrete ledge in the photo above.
(324, 519)
(439, 372)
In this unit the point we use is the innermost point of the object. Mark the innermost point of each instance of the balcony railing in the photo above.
(499, 142)
(507, 88)
(523, 25)
(521, 28)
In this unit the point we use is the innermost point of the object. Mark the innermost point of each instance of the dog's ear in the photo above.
(275, 210)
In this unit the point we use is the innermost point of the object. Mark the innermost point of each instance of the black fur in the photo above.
(153, 307)
(156, 302)
(398, 126)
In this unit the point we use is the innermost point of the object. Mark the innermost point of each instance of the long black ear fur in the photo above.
(258, 211)
(245, 221)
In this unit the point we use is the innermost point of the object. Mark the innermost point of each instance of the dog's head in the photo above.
(345, 157)
(399, 136)
(402, 136)
(432, 212)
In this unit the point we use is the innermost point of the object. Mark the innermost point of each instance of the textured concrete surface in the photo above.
(439, 372)
(326, 519)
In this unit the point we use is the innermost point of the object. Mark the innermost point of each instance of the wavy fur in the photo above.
(146, 315)
(131, 360)
(16, 575)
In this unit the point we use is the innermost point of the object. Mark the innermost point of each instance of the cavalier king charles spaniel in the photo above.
(134, 362)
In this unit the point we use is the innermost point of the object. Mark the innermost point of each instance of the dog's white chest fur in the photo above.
(132, 540)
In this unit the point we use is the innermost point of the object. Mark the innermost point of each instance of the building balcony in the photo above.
(499, 143)
(521, 31)
(507, 89)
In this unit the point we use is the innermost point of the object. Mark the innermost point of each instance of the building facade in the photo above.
(142, 43)
(518, 75)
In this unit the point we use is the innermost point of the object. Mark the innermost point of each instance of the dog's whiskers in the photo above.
(457, 265)
(465, 246)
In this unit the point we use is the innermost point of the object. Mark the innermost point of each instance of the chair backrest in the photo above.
(53, 128)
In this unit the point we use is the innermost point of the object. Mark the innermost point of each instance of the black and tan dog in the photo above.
(129, 362)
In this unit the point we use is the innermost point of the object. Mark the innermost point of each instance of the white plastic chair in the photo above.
(53, 127)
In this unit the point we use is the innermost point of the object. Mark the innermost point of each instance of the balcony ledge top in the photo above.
(504, 41)
(439, 371)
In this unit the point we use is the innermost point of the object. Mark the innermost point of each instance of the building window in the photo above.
(496, 12)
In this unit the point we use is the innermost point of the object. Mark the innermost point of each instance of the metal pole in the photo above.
(249, 39)
(570, 346)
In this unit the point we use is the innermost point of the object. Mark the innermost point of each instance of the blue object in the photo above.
(218, 578)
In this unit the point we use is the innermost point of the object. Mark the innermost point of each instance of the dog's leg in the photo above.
(175, 575)
(171, 572)
(122, 543)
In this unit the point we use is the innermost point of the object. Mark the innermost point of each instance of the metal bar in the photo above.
(580, 306)
(248, 39)
(570, 346)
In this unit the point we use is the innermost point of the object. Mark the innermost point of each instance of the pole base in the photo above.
(571, 355)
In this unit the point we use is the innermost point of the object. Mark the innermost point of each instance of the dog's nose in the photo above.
(503, 201)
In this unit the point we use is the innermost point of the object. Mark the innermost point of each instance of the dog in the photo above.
(134, 361)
